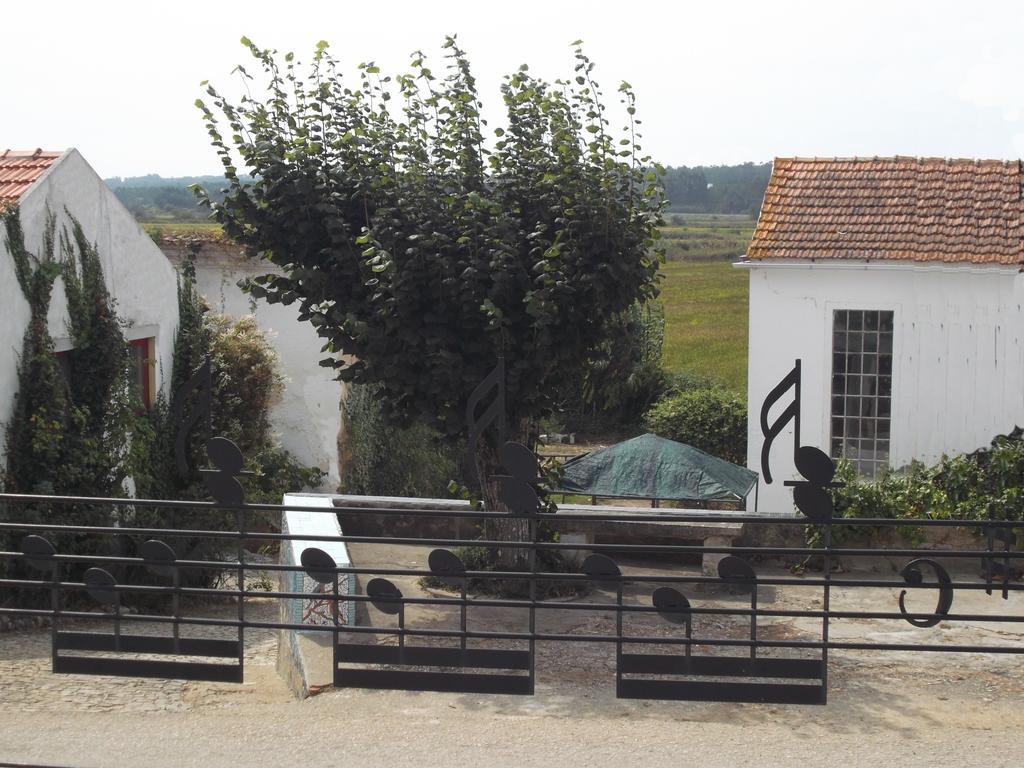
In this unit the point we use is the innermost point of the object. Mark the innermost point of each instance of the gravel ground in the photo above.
(885, 723)
(884, 709)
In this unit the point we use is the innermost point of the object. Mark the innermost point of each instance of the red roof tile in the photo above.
(896, 208)
(19, 169)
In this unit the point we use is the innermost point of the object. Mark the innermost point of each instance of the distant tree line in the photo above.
(717, 188)
(701, 189)
(154, 198)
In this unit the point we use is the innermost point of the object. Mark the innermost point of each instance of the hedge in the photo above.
(711, 419)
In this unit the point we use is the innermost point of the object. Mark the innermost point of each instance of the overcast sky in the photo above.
(717, 82)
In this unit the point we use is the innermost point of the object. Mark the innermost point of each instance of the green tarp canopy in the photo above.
(651, 467)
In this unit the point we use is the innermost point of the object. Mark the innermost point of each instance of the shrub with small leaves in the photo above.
(383, 460)
(713, 420)
(974, 486)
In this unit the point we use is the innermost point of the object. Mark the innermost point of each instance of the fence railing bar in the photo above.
(538, 605)
(551, 576)
(683, 549)
(663, 516)
(539, 636)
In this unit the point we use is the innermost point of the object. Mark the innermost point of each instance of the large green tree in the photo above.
(420, 250)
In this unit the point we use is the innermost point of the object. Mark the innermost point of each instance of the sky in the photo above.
(717, 82)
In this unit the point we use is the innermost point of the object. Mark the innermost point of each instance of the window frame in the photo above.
(861, 353)
(146, 368)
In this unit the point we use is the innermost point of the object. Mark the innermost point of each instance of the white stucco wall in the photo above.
(958, 354)
(307, 420)
(137, 274)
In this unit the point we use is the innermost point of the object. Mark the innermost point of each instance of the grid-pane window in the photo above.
(862, 387)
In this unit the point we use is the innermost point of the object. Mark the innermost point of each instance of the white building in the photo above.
(143, 282)
(307, 420)
(136, 272)
(898, 283)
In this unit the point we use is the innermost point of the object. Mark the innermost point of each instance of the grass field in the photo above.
(706, 236)
(208, 229)
(706, 320)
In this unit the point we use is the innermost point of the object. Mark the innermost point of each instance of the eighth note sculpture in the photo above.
(684, 676)
(461, 669)
(193, 658)
(187, 658)
(753, 677)
(457, 669)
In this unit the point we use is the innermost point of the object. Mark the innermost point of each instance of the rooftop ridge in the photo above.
(897, 158)
(897, 208)
(29, 153)
(19, 169)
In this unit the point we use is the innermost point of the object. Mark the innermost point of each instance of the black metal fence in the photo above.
(710, 634)
(682, 659)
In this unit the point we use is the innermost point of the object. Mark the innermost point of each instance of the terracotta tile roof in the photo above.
(19, 169)
(896, 208)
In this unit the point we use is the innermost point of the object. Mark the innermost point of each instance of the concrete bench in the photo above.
(708, 534)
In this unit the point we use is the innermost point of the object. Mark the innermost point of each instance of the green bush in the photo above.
(247, 381)
(968, 487)
(711, 419)
(383, 460)
(963, 487)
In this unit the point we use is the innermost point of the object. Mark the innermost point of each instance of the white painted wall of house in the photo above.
(307, 420)
(958, 354)
(136, 272)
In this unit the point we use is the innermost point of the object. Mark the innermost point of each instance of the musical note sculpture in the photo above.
(122, 648)
(745, 662)
(912, 574)
(806, 678)
(493, 414)
(462, 669)
(688, 671)
(457, 670)
(191, 404)
(994, 567)
(200, 387)
(790, 414)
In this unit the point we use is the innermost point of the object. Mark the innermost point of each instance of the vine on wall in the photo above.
(34, 437)
(80, 431)
(67, 433)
